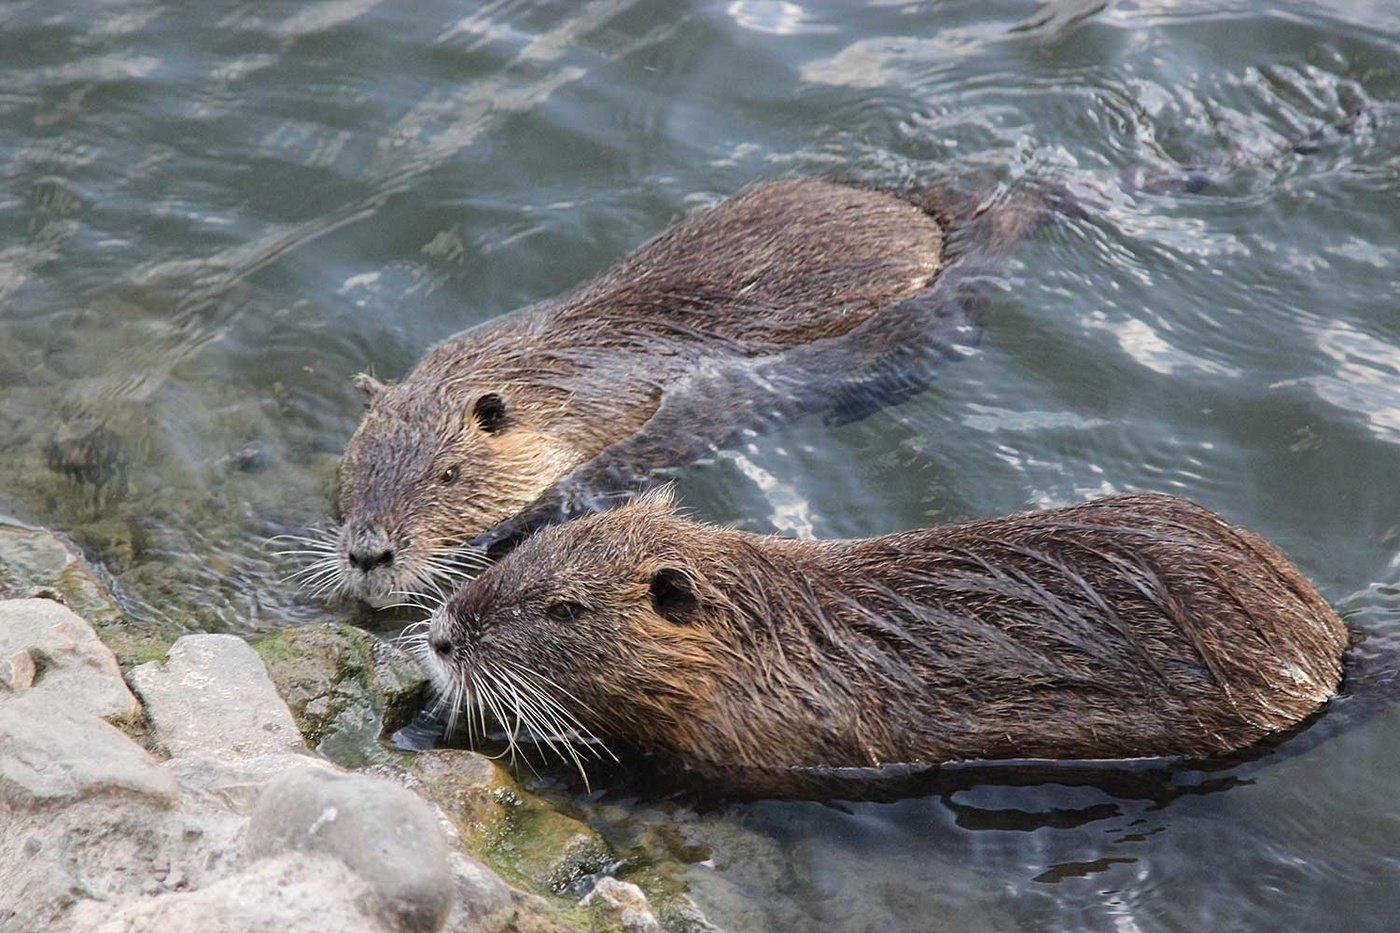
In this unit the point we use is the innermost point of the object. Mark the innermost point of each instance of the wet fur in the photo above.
(1135, 626)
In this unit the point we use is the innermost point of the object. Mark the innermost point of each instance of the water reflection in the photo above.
(775, 18)
(1366, 380)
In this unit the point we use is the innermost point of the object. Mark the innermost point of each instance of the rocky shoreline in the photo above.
(181, 793)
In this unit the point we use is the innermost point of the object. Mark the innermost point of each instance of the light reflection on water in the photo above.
(214, 214)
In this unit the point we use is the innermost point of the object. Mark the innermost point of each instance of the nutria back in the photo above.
(1134, 626)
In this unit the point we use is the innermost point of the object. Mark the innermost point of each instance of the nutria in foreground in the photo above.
(791, 297)
(1134, 626)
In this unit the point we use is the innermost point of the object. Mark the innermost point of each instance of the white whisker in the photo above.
(545, 720)
(490, 699)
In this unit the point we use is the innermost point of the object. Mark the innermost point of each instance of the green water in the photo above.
(213, 214)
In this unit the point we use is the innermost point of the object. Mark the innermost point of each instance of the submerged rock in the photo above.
(34, 561)
(89, 454)
(346, 688)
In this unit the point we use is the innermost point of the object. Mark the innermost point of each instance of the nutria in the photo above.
(792, 296)
(1136, 626)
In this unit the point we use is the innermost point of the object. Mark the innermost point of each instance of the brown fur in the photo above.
(781, 265)
(1134, 626)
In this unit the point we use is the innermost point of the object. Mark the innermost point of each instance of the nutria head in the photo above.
(432, 464)
(600, 625)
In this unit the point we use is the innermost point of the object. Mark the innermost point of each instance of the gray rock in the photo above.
(292, 893)
(107, 851)
(51, 753)
(65, 658)
(234, 784)
(626, 904)
(213, 697)
(387, 835)
(482, 900)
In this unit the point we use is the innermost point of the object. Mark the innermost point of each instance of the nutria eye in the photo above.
(564, 611)
(449, 476)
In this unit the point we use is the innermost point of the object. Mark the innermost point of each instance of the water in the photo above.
(214, 214)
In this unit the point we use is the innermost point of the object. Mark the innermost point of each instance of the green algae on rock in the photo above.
(347, 689)
(520, 834)
(525, 838)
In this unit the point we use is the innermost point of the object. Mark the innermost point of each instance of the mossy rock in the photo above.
(525, 838)
(347, 689)
(518, 833)
(653, 853)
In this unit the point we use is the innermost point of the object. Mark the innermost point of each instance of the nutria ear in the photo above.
(673, 595)
(370, 387)
(489, 412)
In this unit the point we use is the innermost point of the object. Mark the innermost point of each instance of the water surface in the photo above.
(214, 214)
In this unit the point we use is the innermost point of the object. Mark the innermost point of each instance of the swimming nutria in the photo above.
(792, 296)
(1134, 626)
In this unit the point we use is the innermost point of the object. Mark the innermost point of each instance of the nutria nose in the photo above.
(442, 647)
(368, 560)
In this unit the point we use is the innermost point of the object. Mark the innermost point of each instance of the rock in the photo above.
(292, 893)
(17, 672)
(346, 688)
(476, 793)
(65, 659)
(51, 753)
(398, 681)
(105, 852)
(517, 831)
(33, 560)
(235, 783)
(482, 900)
(213, 698)
(88, 814)
(624, 904)
(384, 833)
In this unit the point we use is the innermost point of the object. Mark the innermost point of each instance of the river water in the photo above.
(214, 213)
